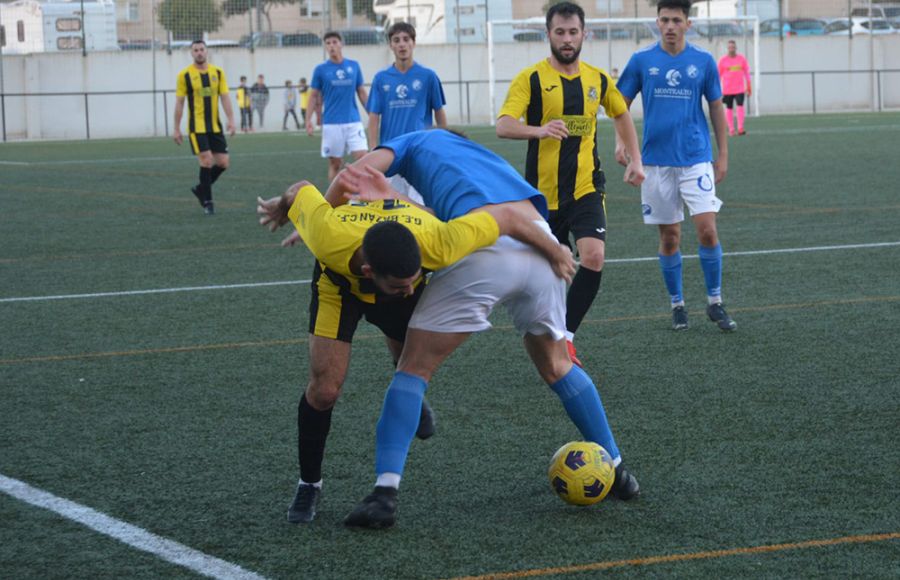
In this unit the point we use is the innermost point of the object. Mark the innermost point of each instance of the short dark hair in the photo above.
(399, 27)
(243, 78)
(390, 249)
(332, 34)
(565, 9)
(683, 5)
(199, 41)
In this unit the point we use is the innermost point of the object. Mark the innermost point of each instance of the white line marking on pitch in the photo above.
(297, 282)
(161, 158)
(136, 537)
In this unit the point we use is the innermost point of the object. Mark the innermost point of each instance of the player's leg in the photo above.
(699, 193)
(729, 112)
(587, 221)
(663, 207)
(740, 114)
(422, 354)
(200, 142)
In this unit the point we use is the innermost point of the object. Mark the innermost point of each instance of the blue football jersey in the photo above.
(672, 89)
(455, 175)
(405, 101)
(338, 84)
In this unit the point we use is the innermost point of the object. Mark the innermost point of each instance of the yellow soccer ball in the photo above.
(581, 473)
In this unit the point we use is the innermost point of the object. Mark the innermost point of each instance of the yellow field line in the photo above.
(282, 342)
(650, 560)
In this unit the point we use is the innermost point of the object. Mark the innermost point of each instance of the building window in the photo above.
(465, 32)
(20, 30)
(68, 43)
(68, 24)
(2, 36)
(128, 10)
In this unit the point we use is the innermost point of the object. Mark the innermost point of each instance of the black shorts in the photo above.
(729, 100)
(334, 312)
(214, 142)
(584, 217)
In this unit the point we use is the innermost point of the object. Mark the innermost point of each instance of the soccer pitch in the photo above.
(151, 360)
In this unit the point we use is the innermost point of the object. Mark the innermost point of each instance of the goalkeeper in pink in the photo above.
(735, 74)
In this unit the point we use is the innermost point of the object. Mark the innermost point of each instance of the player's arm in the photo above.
(519, 220)
(289, 206)
(364, 180)
(312, 108)
(720, 130)
(179, 111)
(374, 129)
(511, 128)
(440, 118)
(626, 135)
(363, 95)
(746, 68)
(229, 113)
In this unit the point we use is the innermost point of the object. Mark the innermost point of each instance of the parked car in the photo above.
(372, 35)
(642, 31)
(273, 39)
(529, 36)
(808, 26)
(844, 27)
(711, 29)
(883, 11)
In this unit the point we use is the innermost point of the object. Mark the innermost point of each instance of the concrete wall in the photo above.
(468, 97)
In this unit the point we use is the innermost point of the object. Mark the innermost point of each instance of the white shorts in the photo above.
(666, 190)
(460, 298)
(340, 139)
(403, 186)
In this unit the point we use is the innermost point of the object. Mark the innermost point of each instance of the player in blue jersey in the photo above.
(456, 176)
(673, 77)
(404, 97)
(335, 85)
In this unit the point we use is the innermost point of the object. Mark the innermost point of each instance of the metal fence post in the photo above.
(87, 117)
(813, 77)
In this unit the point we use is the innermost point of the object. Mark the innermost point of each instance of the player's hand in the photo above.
(309, 129)
(720, 166)
(231, 130)
(622, 157)
(563, 264)
(273, 212)
(555, 129)
(634, 173)
(365, 184)
(749, 91)
(291, 240)
(177, 137)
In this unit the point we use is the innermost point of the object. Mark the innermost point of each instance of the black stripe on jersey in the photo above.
(533, 117)
(189, 87)
(598, 178)
(207, 106)
(573, 104)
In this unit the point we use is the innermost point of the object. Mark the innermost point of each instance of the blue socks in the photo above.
(398, 422)
(581, 401)
(711, 262)
(671, 273)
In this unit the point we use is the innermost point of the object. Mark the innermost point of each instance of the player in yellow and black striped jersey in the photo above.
(348, 286)
(559, 99)
(202, 84)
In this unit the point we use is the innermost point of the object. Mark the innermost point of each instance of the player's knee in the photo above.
(322, 395)
(223, 163)
(593, 260)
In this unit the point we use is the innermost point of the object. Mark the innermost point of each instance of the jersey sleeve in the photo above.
(437, 93)
(447, 243)
(629, 83)
(223, 83)
(518, 97)
(400, 146)
(311, 216)
(375, 104)
(180, 85)
(317, 80)
(613, 102)
(713, 89)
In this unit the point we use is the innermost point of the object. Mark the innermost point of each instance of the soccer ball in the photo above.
(581, 473)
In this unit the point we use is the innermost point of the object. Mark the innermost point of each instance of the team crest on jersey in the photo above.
(654, 71)
(417, 85)
(673, 77)
(339, 73)
(592, 93)
(693, 71)
(402, 91)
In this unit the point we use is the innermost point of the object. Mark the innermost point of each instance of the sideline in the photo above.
(168, 550)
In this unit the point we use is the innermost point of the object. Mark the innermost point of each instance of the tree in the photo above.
(359, 7)
(189, 19)
(234, 7)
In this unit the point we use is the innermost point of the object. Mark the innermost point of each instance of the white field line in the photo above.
(167, 158)
(298, 282)
(136, 537)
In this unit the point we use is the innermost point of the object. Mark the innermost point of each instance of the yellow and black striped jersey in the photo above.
(202, 89)
(568, 169)
(243, 97)
(334, 234)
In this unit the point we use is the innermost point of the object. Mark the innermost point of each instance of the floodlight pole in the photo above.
(83, 34)
(490, 39)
